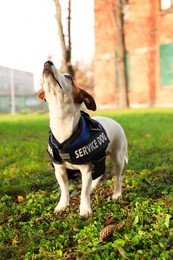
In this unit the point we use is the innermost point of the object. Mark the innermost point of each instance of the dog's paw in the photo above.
(59, 208)
(116, 196)
(85, 212)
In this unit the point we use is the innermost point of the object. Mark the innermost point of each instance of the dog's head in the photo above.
(61, 89)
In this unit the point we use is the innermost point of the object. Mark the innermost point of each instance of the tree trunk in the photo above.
(120, 60)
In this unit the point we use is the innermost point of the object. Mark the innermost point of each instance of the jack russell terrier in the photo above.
(77, 141)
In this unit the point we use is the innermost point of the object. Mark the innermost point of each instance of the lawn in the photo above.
(142, 218)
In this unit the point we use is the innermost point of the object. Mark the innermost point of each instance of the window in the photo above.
(166, 5)
(6, 86)
(166, 64)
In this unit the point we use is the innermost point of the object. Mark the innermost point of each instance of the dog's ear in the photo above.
(41, 95)
(87, 99)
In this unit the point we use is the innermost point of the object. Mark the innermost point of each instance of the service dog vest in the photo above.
(87, 144)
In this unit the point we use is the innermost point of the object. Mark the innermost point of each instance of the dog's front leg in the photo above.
(62, 179)
(85, 208)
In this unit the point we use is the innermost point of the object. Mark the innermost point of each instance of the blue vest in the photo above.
(87, 144)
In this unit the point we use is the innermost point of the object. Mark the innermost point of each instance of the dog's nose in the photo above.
(48, 63)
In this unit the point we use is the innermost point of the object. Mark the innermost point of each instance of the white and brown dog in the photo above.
(64, 99)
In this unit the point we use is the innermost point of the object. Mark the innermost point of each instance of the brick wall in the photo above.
(145, 29)
(105, 45)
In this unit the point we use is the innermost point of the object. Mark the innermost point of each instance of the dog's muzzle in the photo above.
(48, 71)
(48, 67)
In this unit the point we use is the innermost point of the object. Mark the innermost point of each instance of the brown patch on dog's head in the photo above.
(80, 96)
(41, 95)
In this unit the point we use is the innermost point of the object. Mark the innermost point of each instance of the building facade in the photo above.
(22, 81)
(16, 90)
(148, 35)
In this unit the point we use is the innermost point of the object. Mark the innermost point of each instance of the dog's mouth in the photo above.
(48, 71)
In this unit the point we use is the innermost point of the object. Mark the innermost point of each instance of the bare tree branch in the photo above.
(64, 67)
(69, 48)
(66, 47)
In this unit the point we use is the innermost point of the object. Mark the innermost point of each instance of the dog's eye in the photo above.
(68, 76)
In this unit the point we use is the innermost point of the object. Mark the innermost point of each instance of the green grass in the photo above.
(29, 192)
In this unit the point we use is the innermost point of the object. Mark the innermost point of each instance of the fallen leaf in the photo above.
(20, 198)
(15, 240)
(121, 251)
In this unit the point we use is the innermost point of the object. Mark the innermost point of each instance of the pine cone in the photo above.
(107, 232)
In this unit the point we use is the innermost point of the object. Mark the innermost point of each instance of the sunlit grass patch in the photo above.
(29, 229)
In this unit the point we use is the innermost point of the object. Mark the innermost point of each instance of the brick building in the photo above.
(148, 33)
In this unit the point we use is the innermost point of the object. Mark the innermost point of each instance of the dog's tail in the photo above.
(126, 155)
(126, 158)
